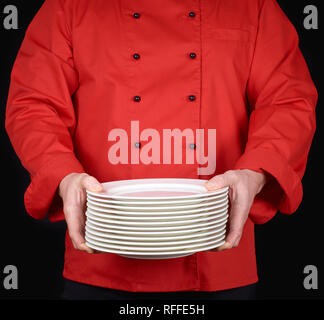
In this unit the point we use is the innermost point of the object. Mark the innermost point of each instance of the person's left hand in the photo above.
(243, 185)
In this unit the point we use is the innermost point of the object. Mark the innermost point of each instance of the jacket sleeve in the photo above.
(40, 117)
(282, 100)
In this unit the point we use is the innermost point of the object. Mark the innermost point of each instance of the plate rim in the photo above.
(153, 253)
(126, 207)
(150, 243)
(208, 193)
(149, 249)
(165, 228)
(165, 212)
(151, 224)
(125, 237)
(157, 218)
(108, 200)
(159, 232)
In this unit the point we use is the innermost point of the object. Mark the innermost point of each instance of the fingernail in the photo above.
(210, 185)
(225, 246)
(86, 248)
(96, 188)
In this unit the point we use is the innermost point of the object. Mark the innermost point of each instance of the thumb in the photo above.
(92, 184)
(220, 181)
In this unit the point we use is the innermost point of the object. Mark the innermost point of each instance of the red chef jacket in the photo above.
(232, 65)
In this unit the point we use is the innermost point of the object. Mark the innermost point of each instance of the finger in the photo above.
(75, 221)
(96, 251)
(221, 181)
(84, 247)
(237, 219)
(90, 183)
(78, 244)
(224, 246)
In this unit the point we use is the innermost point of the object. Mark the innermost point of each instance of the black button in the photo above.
(192, 55)
(137, 145)
(137, 98)
(192, 97)
(136, 15)
(136, 56)
(192, 14)
(192, 146)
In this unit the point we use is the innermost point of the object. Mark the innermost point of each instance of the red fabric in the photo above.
(74, 80)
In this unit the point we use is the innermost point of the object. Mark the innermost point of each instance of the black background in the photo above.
(285, 245)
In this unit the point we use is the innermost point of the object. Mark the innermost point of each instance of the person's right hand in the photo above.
(72, 190)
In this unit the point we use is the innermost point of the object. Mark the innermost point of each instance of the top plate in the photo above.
(156, 189)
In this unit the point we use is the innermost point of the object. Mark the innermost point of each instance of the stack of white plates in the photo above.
(156, 218)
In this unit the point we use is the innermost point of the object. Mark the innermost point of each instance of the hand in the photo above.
(244, 185)
(72, 190)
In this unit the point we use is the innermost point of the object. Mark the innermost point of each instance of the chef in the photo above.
(86, 68)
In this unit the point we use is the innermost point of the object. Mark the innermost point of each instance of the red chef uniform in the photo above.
(232, 65)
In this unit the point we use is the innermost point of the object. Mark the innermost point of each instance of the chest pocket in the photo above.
(229, 52)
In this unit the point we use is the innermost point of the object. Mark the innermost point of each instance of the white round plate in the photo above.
(215, 236)
(153, 223)
(203, 205)
(157, 233)
(153, 213)
(155, 255)
(166, 207)
(98, 200)
(165, 228)
(107, 234)
(182, 217)
(164, 249)
(156, 189)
